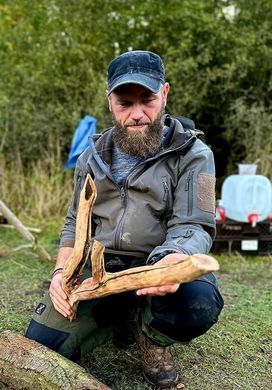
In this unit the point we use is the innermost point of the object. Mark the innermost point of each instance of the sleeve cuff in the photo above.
(67, 243)
(154, 259)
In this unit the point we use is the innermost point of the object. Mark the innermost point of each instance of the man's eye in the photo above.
(147, 101)
(124, 104)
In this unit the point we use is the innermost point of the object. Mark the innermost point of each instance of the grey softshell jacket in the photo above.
(166, 204)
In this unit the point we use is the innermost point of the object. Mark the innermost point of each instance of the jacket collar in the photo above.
(177, 137)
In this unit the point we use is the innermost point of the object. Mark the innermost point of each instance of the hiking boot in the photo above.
(159, 368)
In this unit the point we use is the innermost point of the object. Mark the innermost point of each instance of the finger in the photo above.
(171, 288)
(62, 308)
(148, 291)
(56, 288)
(58, 295)
(60, 302)
(57, 292)
(160, 290)
(61, 311)
(173, 258)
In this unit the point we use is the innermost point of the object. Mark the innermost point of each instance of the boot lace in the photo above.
(155, 357)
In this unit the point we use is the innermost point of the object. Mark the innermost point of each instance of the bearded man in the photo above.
(155, 204)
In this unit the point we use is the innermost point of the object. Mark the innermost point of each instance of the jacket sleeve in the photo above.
(191, 226)
(67, 238)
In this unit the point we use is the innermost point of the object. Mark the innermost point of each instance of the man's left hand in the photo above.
(169, 288)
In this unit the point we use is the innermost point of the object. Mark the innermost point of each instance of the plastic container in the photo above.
(247, 169)
(244, 195)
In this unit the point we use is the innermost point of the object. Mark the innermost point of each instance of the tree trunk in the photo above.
(28, 365)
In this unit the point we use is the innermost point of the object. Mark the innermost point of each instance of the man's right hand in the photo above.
(59, 297)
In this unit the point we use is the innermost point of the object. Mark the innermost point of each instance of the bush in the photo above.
(43, 190)
(54, 56)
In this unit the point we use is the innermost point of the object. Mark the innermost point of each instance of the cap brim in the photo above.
(150, 83)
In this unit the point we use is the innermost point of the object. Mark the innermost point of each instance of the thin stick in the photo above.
(37, 248)
(31, 229)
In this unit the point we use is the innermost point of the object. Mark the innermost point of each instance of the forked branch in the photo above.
(104, 283)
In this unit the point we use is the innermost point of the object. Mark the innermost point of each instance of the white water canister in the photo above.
(246, 195)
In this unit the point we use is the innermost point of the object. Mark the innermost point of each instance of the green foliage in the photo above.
(250, 127)
(42, 190)
(54, 56)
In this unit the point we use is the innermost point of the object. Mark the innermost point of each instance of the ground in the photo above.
(235, 354)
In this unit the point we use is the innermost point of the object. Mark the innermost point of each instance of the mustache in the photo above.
(137, 123)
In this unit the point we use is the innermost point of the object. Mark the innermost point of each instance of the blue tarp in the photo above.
(86, 128)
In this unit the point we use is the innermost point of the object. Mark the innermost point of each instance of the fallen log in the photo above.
(26, 364)
(103, 283)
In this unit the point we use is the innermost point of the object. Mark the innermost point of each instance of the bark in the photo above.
(74, 265)
(28, 365)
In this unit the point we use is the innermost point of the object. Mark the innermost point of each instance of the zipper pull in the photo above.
(166, 189)
(165, 185)
(188, 180)
(122, 192)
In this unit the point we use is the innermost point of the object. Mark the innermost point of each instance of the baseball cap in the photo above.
(136, 67)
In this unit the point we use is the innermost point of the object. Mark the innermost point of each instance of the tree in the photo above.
(54, 57)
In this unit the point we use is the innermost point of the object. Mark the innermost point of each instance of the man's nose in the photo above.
(137, 111)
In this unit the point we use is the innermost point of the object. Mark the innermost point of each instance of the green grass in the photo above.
(235, 354)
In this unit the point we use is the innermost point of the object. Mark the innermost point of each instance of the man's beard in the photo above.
(139, 143)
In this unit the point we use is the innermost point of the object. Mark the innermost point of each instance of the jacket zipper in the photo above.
(166, 189)
(166, 194)
(189, 189)
(78, 179)
(117, 237)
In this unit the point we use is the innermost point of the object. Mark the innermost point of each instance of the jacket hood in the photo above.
(176, 138)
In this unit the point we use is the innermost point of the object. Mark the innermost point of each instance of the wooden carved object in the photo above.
(73, 267)
(105, 283)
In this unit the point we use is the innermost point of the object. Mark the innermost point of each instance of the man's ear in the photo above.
(109, 102)
(165, 91)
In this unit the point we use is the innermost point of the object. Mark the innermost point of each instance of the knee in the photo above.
(201, 309)
(202, 312)
(193, 310)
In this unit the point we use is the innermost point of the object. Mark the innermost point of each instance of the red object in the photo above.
(220, 214)
(253, 218)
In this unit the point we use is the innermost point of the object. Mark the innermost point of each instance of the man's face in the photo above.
(137, 112)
